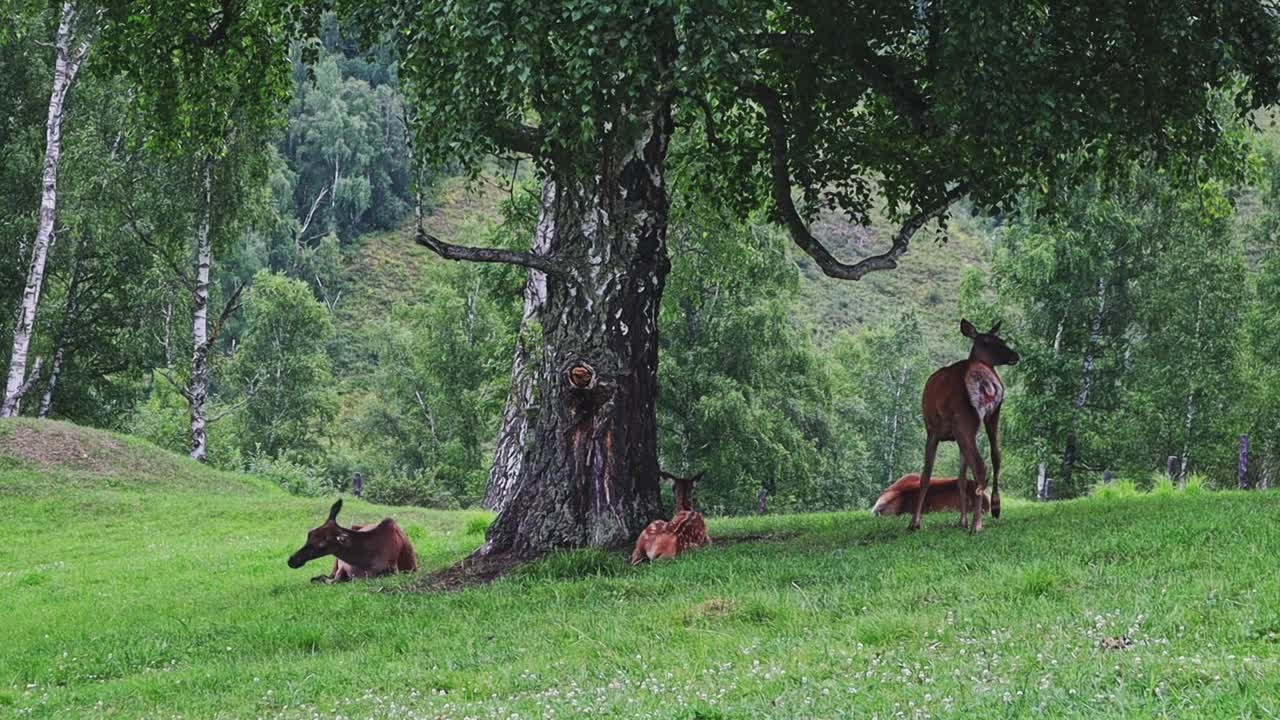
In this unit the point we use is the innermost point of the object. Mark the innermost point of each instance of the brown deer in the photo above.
(360, 551)
(685, 530)
(944, 494)
(957, 401)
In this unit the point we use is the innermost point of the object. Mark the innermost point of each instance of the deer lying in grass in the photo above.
(958, 400)
(944, 494)
(685, 530)
(360, 551)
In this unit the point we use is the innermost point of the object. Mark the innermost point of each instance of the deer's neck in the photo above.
(362, 549)
(976, 355)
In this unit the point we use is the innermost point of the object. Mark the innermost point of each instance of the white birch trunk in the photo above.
(199, 391)
(69, 316)
(893, 424)
(1086, 383)
(66, 65)
(508, 456)
(1189, 418)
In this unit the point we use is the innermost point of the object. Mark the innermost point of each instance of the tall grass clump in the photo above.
(1118, 488)
(1162, 485)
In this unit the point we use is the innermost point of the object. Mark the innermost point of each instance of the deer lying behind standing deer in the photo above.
(944, 494)
(958, 400)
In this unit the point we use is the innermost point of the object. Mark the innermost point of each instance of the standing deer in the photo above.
(957, 400)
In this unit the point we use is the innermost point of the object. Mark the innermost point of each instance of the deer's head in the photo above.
(988, 347)
(327, 539)
(682, 489)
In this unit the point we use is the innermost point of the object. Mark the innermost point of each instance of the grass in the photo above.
(156, 588)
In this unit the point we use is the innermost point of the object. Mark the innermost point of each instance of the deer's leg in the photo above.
(969, 451)
(962, 483)
(992, 424)
(930, 450)
(332, 573)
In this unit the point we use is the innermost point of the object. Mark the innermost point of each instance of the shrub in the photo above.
(421, 488)
(1195, 484)
(293, 476)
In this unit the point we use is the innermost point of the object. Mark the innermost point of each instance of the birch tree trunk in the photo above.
(1086, 383)
(64, 333)
(199, 390)
(1189, 418)
(1042, 477)
(66, 65)
(513, 433)
(590, 476)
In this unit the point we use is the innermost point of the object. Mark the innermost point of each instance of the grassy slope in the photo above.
(385, 268)
(146, 586)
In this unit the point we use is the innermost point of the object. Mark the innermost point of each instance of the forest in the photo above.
(325, 342)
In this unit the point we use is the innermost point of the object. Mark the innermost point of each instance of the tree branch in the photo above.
(32, 377)
(709, 123)
(228, 309)
(881, 73)
(183, 390)
(449, 251)
(249, 392)
(795, 225)
(310, 214)
(145, 238)
(520, 138)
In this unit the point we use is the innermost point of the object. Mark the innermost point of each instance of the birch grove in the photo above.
(70, 55)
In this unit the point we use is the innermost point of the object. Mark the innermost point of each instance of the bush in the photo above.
(293, 476)
(421, 488)
(1195, 484)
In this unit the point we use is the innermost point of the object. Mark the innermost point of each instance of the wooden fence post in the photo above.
(1171, 467)
(357, 484)
(1242, 466)
(1106, 477)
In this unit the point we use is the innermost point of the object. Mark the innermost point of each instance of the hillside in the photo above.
(926, 280)
(145, 586)
(386, 267)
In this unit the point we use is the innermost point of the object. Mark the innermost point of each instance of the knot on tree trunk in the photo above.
(582, 376)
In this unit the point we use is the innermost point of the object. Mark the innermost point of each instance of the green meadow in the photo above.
(137, 584)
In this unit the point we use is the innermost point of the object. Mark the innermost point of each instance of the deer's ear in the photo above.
(995, 329)
(967, 329)
(333, 511)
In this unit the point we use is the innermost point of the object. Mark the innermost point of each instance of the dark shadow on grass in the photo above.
(471, 571)
(736, 538)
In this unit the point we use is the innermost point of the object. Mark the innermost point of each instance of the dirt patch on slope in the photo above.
(50, 445)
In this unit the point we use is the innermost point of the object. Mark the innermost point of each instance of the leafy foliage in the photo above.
(284, 367)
